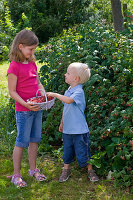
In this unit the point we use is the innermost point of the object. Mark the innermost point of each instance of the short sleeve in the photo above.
(35, 66)
(13, 68)
(78, 96)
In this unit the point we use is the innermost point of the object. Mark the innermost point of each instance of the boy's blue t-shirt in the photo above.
(74, 121)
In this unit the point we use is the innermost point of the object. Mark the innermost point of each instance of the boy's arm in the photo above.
(61, 125)
(63, 98)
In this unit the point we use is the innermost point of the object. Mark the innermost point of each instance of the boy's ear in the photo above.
(77, 79)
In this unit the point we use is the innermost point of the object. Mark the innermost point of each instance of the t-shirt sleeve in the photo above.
(35, 66)
(13, 69)
(77, 96)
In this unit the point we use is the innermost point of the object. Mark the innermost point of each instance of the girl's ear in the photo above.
(20, 46)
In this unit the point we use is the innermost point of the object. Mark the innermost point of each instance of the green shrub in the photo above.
(7, 125)
(7, 32)
(48, 18)
(108, 92)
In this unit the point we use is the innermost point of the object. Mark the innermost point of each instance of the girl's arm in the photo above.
(12, 82)
(63, 98)
(40, 85)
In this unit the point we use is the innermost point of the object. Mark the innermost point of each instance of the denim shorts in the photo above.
(29, 125)
(76, 145)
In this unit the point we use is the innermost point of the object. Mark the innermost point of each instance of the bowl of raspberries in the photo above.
(44, 102)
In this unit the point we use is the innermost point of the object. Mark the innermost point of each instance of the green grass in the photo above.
(3, 70)
(3, 83)
(76, 188)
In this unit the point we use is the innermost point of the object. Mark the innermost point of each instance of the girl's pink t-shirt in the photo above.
(27, 84)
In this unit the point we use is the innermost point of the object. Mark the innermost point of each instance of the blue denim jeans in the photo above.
(76, 145)
(29, 125)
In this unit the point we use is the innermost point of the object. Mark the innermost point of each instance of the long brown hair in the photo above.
(27, 38)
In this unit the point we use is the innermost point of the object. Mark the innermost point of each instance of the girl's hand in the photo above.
(61, 127)
(32, 106)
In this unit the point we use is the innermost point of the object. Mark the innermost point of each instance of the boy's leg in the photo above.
(67, 156)
(89, 167)
(69, 152)
(82, 151)
(65, 173)
(92, 174)
(66, 166)
(81, 145)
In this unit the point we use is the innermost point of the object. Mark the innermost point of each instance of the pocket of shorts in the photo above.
(85, 138)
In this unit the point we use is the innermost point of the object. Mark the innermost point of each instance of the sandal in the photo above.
(17, 180)
(92, 175)
(36, 173)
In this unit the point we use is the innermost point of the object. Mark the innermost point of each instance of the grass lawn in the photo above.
(78, 187)
(3, 82)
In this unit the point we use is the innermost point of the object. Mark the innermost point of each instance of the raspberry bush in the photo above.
(109, 100)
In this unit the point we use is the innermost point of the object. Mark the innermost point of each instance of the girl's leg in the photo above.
(17, 157)
(35, 138)
(32, 152)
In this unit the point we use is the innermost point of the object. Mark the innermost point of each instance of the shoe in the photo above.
(17, 180)
(92, 175)
(36, 173)
(65, 175)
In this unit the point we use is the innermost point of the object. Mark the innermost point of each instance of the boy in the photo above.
(73, 123)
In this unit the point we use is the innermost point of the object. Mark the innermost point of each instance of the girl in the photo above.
(23, 83)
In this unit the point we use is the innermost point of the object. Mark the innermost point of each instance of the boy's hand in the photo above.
(61, 127)
(51, 94)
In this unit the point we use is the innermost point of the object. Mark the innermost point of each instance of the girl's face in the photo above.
(27, 51)
(70, 76)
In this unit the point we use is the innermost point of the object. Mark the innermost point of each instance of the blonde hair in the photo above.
(27, 38)
(82, 70)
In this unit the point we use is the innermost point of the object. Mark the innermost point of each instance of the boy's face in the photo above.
(70, 76)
